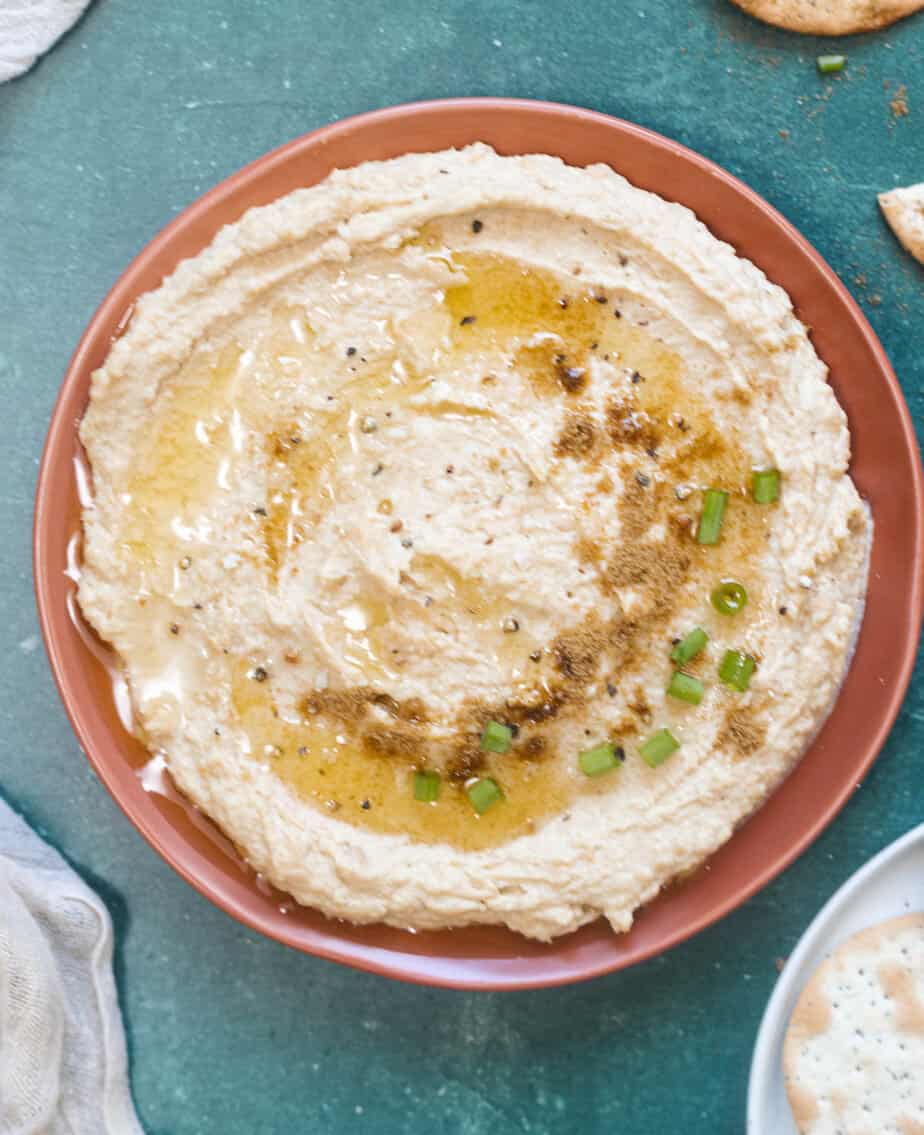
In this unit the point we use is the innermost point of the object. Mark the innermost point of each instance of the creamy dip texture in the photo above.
(402, 506)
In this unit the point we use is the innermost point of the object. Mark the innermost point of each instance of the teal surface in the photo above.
(139, 110)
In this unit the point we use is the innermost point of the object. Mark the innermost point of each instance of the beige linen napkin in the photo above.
(63, 1068)
(29, 27)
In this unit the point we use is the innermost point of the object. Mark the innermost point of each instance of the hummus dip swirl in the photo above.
(408, 494)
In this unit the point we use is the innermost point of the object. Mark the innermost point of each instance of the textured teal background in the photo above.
(141, 108)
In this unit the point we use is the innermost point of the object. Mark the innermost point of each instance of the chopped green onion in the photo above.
(765, 485)
(685, 688)
(689, 646)
(426, 786)
(729, 597)
(710, 523)
(736, 669)
(829, 63)
(496, 738)
(484, 794)
(600, 759)
(659, 747)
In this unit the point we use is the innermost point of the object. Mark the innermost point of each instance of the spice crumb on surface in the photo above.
(898, 104)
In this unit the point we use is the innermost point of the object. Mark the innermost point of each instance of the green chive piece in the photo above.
(659, 747)
(710, 523)
(600, 759)
(689, 646)
(484, 794)
(426, 786)
(765, 485)
(496, 738)
(830, 63)
(736, 669)
(729, 597)
(685, 688)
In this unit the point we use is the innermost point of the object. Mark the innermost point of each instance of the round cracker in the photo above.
(854, 1050)
(904, 210)
(830, 17)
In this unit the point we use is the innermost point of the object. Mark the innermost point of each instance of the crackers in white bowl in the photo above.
(853, 1056)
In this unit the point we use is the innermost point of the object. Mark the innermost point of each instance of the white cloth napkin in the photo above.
(29, 27)
(63, 1067)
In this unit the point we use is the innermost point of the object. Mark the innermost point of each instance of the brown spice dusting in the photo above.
(535, 747)
(742, 731)
(344, 705)
(534, 707)
(630, 427)
(640, 706)
(660, 568)
(411, 710)
(571, 379)
(638, 509)
(577, 653)
(467, 320)
(467, 757)
(588, 551)
(577, 438)
(395, 741)
(352, 705)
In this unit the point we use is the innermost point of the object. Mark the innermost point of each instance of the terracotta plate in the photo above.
(886, 467)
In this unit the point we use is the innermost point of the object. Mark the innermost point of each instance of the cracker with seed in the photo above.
(830, 17)
(853, 1058)
(904, 210)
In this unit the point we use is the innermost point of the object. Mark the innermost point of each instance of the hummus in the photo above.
(400, 490)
